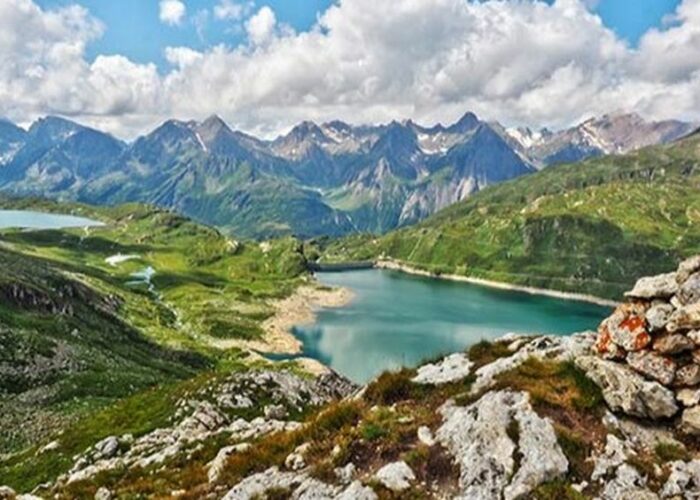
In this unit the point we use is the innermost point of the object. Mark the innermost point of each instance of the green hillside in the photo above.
(589, 227)
(78, 332)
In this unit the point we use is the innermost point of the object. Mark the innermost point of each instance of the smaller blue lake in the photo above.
(400, 320)
(27, 219)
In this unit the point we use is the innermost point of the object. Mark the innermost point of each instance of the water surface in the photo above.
(400, 320)
(28, 219)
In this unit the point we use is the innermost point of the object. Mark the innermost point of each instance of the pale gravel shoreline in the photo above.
(578, 297)
(298, 309)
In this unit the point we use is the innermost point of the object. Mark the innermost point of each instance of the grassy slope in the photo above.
(88, 339)
(381, 427)
(589, 227)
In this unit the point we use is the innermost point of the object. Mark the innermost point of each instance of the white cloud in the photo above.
(172, 12)
(261, 26)
(431, 60)
(231, 10)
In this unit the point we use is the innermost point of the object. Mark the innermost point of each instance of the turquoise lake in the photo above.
(27, 219)
(399, 320)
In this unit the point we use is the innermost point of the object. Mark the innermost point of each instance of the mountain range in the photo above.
(328, 179)
(590, 227)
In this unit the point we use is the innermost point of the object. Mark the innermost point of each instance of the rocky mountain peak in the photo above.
(467, 123)
(53, 129)
(308, 130)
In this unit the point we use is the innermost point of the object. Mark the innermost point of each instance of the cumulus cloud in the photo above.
(261, 26)
(231, 10)
(172, 12)
(520, 62)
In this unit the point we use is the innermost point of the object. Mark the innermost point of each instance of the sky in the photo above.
(125, 66)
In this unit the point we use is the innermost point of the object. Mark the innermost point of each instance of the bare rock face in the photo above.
(690, 420)
(689, 292)
(685, 318)
(629, 484)
(686, 268)
(213, 412)
(684, 480)
(653, 365)
(396, 476)
(655, 335)
(299, 484)
(626, 328)
(478, 436)
(452, 368)
(663, 286)
(626, 391)
(658, 315)
(7, 493)
(688, 376)
(688, 397)
(673, 343)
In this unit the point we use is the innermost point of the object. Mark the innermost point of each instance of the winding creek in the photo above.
(399, 320)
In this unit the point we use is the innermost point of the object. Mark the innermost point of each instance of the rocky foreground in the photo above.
(610, 415)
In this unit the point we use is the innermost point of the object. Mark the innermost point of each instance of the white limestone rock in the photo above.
(103, 494)
(688, 397)
(450, 369)
(658, 315)
(684, 480)
(627, 391)
(477, 436)
(615, 454)
(628, 484)
(396, 476)
(690, 421)
(257, 484)
(556, 348)
(345, 474)
(7, 493)
(216, 466)
(686, 268)
(662, 286)
(356, 491)
(425, 436)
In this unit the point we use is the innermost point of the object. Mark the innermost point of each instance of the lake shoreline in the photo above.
(392, 265)
(299, 308)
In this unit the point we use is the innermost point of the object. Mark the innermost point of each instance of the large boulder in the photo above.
(626, 328)
(690, 421)
(658, 315)
(481, 438)
(396, 476)
(662, 286)
(686, 268)
(689, 292)
(450, 369)
(653, 365)
(685, 318)
(626, 391)
(684, 480)
(688, 376)
(673, 343)
(7, 493)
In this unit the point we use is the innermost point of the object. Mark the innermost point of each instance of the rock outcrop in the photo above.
(213, 412)
(651, 349)
(478, 436)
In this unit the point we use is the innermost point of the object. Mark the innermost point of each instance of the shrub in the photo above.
(393, 387)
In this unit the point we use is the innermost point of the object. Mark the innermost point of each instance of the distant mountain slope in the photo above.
(610, 134)
(329, 179)
(588, 227)
(12, 138)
